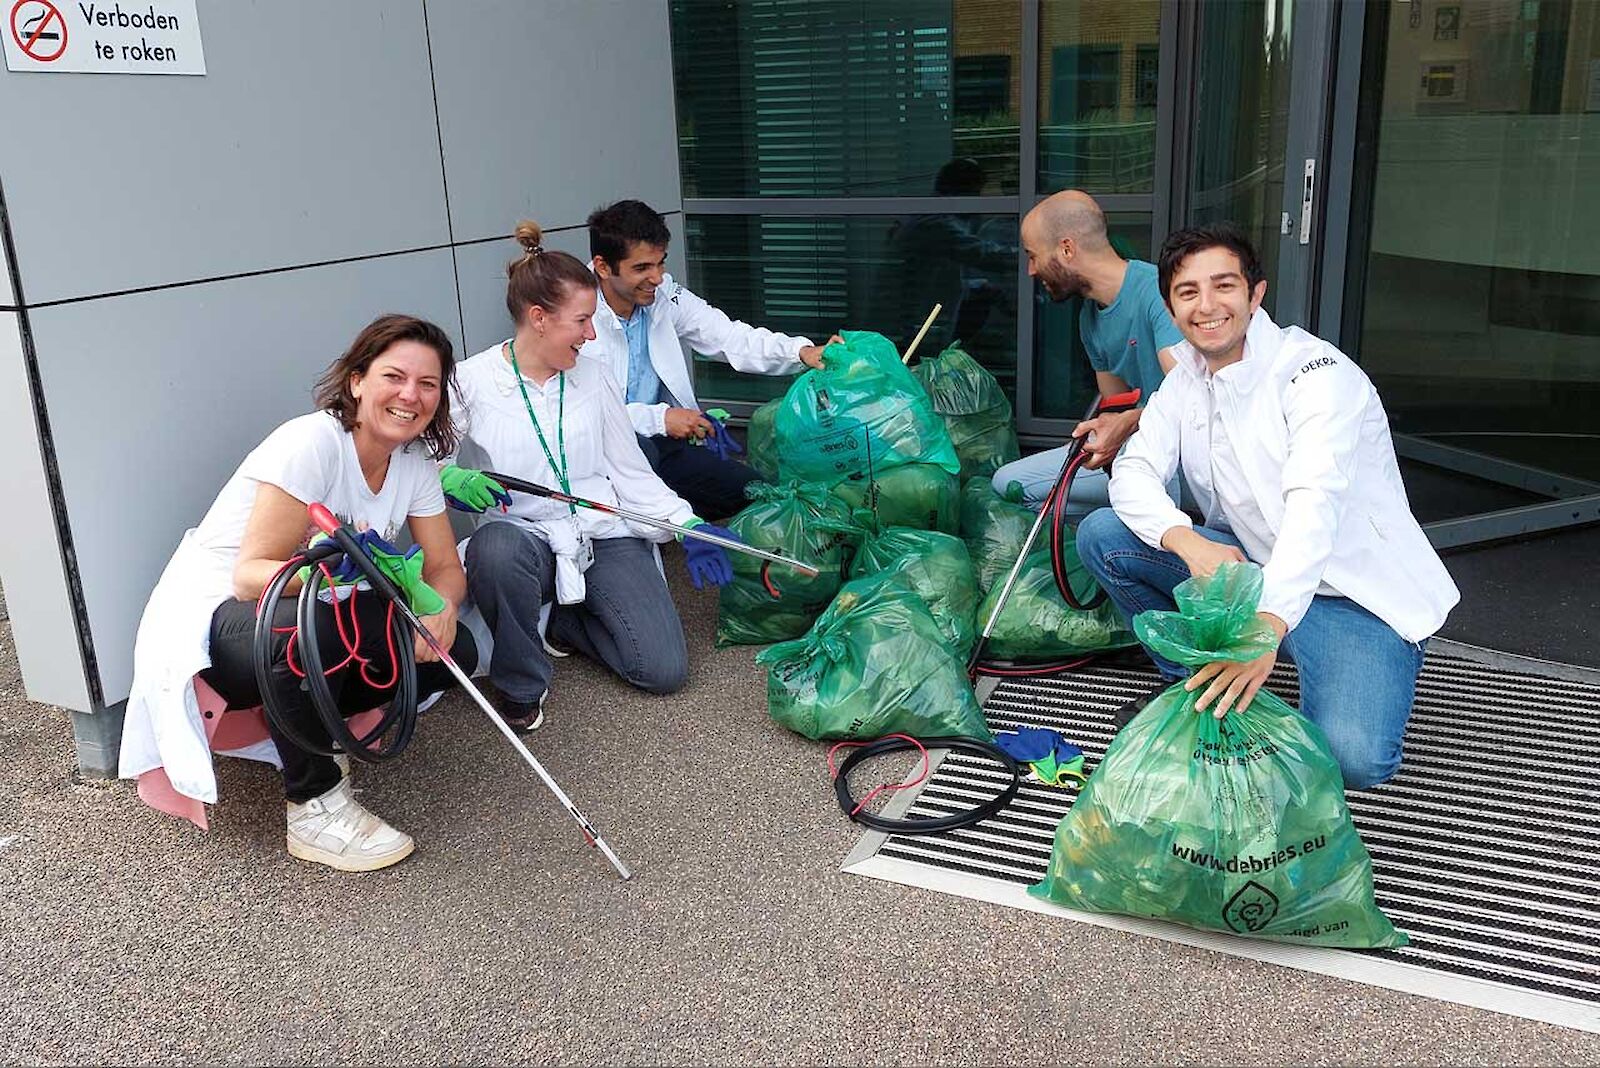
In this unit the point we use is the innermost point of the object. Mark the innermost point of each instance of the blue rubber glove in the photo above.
(1029, 743)
(707, 562)
(719, 442)
(348, 570)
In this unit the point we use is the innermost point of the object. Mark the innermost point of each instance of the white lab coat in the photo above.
(680, 321)
(1313, 440)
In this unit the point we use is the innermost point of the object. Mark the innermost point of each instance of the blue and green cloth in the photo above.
(1054, 760)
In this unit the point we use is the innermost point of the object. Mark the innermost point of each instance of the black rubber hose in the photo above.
(938, 824)
(401, 712)
(1058, 528)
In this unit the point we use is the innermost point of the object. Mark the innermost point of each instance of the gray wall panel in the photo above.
(549, 109)
(311, 138)
(31, 569)
(156, 397)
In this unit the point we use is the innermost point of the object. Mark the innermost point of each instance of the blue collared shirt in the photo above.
(644, 385)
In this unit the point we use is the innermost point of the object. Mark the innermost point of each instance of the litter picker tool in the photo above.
(730, 544)
(381, 582)
(937, 308)
(1052, 504)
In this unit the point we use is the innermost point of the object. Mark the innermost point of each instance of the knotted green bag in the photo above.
(761, 440)
(861, 412)
(804, 522)
(1237, 824)
(923, 496)
(936, 567)
(994, 529)
(974, 409)
(1038, 624)
(875, 663)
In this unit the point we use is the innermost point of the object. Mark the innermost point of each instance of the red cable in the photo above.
(351, 641)
(833, 771)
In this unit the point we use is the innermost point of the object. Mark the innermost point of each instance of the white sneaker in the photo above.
(336, 830)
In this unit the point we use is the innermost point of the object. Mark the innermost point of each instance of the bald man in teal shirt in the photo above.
(1126, 330)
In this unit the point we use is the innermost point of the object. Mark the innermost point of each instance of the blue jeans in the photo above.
(627, 620)
(1091, 489)
(1357, 676)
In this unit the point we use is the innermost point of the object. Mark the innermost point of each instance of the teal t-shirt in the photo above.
(1124, 336)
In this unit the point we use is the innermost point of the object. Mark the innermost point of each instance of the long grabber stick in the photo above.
(381, 582)
(730, 544)
(937, 308)
(1121, 402)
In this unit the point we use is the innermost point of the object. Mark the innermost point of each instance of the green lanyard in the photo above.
(561, 425)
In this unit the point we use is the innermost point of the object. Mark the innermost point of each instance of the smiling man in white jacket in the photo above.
(643, 326)
(1286, 447)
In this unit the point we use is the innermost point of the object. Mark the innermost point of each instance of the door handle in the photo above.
(1308, 196)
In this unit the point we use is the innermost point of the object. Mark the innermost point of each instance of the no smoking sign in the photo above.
(91, 37)
(39, 29)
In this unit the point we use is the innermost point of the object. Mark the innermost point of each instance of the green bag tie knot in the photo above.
(1216, 619)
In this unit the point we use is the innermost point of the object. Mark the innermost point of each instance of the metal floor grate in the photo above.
(1485, 848)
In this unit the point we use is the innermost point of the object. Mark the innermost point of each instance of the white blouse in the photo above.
(603, 460)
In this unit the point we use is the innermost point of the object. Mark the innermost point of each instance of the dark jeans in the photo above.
(714, 488)
(232, 675)
(626, 621)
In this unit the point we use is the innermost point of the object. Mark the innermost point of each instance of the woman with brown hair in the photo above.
(368, 454)
(533, 409)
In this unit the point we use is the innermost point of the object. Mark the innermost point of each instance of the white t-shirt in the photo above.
(311, 458)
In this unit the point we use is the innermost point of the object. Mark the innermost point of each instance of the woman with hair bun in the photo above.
(533, 409)
(367, 453)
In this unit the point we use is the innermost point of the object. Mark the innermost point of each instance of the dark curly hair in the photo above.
(1181, 244)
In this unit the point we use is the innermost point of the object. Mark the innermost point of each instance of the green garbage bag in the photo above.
(874, 663)
(974, 408)
(1237, 824)
(936, 567)
(863, 411)
(761, 441)
(1038, 624)
(802, 521)
(994, 529)
(913, 495)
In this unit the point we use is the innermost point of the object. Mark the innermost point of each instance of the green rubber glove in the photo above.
(405, 569)
(467, 490)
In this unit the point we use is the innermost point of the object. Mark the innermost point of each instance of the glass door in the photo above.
(1473, 298)
(1251, 138)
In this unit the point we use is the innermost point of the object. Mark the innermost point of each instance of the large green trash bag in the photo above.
(874, 663)
(936, 567)
(761, 440)
(974, 409)
(1038, 624)
(862, 410)
(801, 521)
(994, 529)
(1233, 825)
(913, 495)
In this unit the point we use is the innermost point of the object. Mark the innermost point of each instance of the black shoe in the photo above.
(523, 717)
(1124, 715)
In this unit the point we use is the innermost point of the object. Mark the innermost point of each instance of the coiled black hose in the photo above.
(934, 825)
(399, 719)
